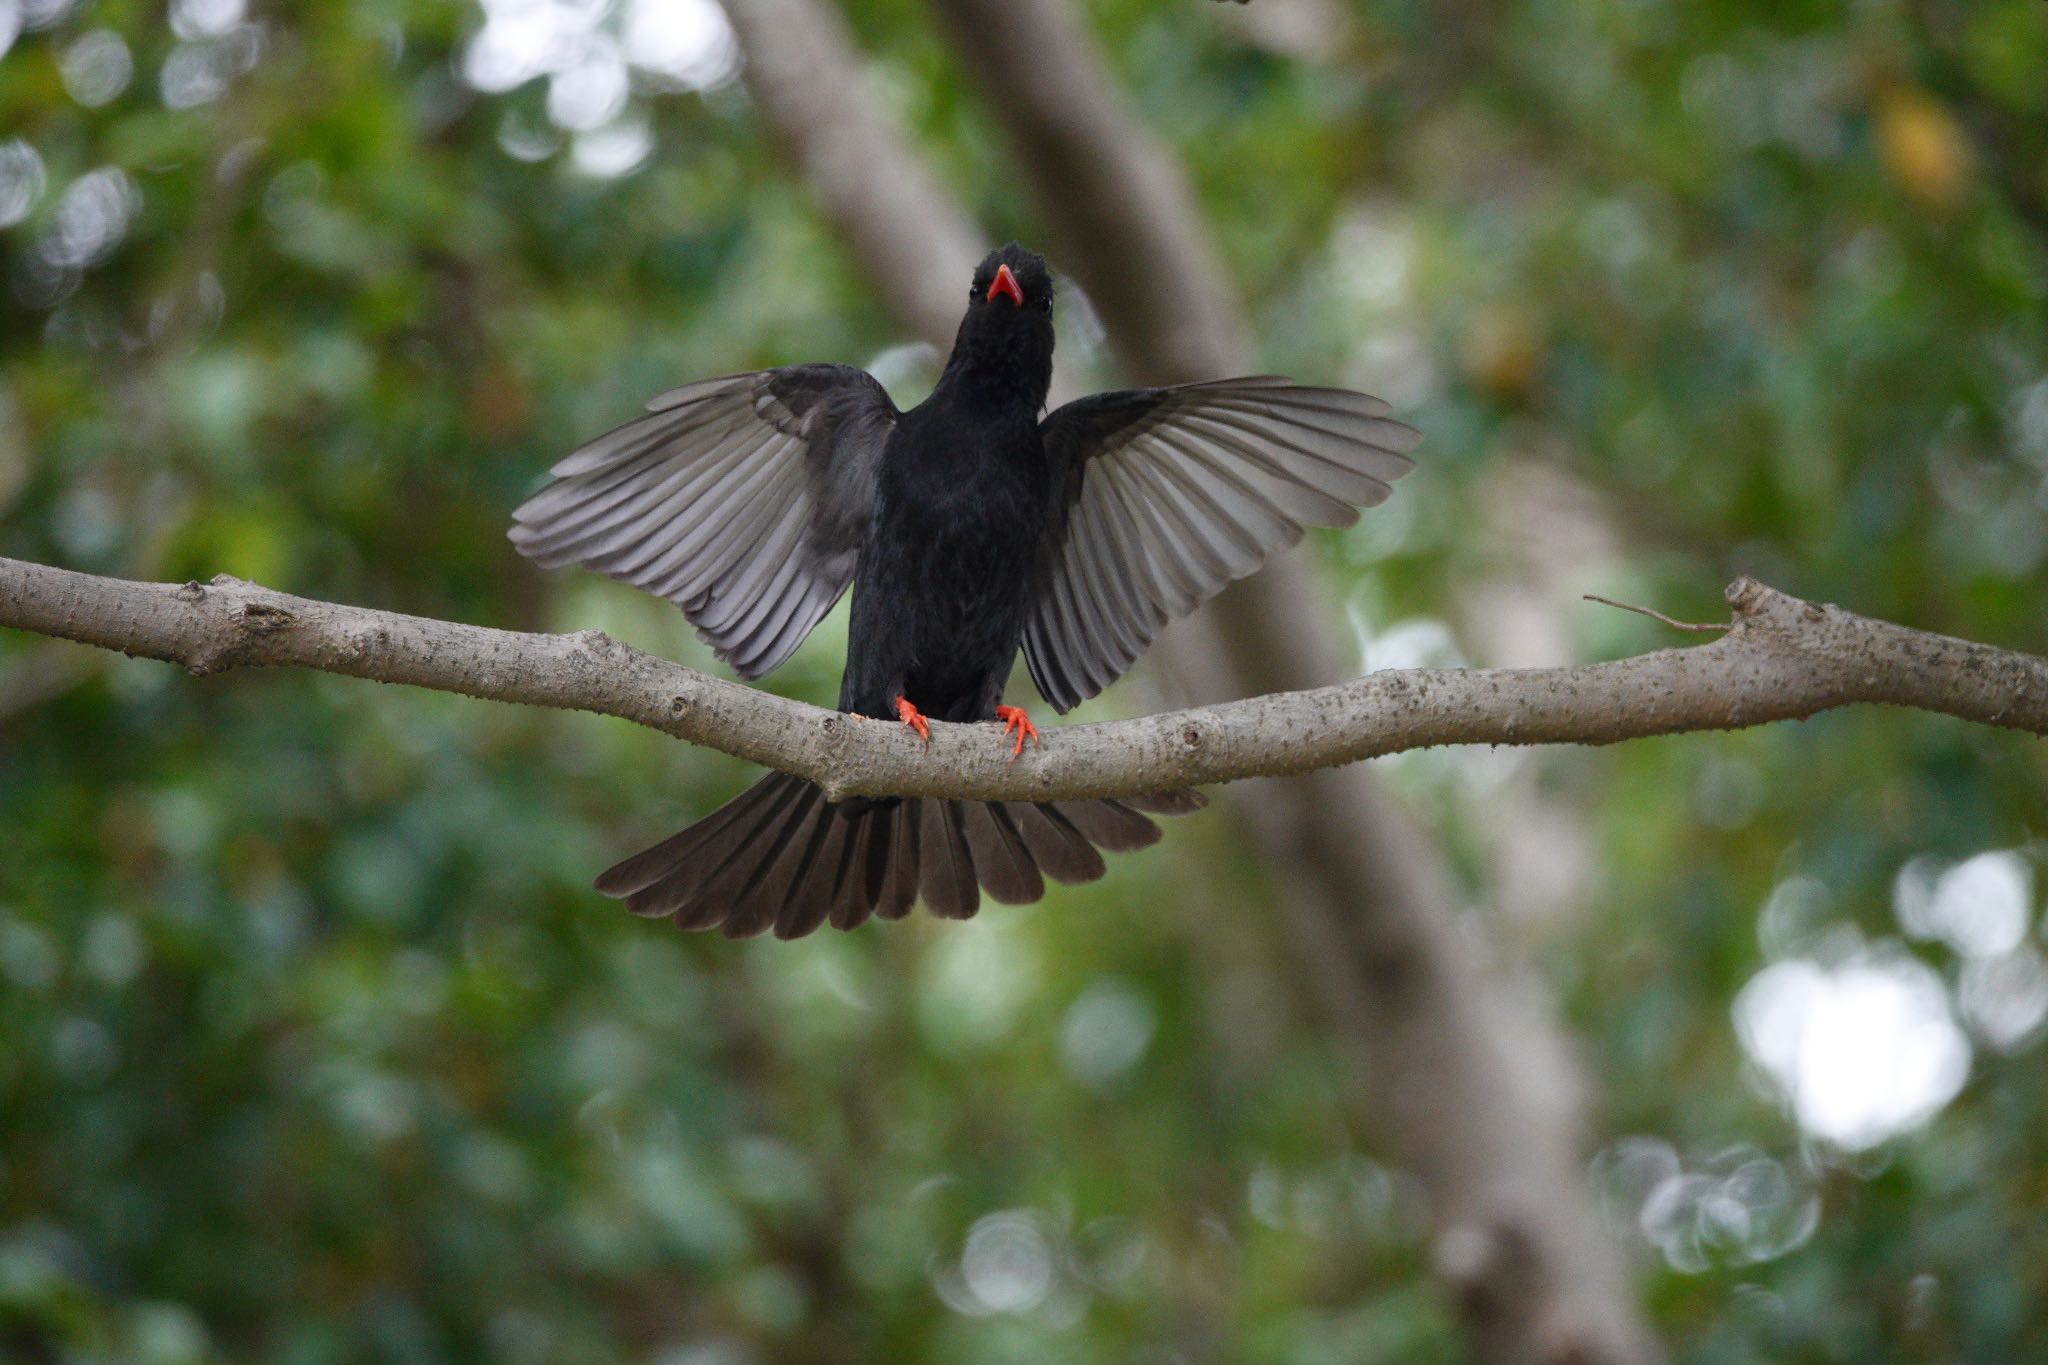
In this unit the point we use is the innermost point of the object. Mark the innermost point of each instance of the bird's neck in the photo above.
(993, 381)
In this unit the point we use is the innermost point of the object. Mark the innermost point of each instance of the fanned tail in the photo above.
(780, 856)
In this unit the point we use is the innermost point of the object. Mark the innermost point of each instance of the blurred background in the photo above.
(316, 1046)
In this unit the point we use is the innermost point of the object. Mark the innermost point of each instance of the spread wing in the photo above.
(1164, 496)
(744, 500)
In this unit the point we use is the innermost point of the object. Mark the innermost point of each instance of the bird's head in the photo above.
(1011, 280)
(1005, 342)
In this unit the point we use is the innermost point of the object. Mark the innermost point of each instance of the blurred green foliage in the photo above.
(314, 1044)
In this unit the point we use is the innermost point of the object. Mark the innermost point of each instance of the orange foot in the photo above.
(914, 718)
(1013, 718)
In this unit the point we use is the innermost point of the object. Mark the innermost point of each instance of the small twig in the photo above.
(1656, 615)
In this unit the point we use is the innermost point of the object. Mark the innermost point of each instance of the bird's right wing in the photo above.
(1162, 496)
(744, 500)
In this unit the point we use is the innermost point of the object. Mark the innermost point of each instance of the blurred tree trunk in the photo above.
(1466, 1070)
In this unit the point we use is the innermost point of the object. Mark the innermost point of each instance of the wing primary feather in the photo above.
(597, 495)
(699, 389)
(1202, 567)
(1285, 435)
(742, 499)
(1378, 442)
(1301, 501)
(1350, 486)
(1280, 494)
(610, 531)
(816, 603)
(1173, 579)
(1072, 643)
(698, 540)
(1256, 525)
(1043, 657)
(1147, 572)
(1090, 571)
(762, 575)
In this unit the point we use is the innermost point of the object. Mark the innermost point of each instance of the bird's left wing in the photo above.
(1163, 496)
(744, 500)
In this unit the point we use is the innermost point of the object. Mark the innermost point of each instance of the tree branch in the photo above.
(1781, 659)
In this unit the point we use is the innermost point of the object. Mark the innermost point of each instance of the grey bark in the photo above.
(1782, 658)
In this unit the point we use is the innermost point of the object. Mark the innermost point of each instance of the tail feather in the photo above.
(784, 827)
(784, 854)
(800, 903)
(946, 867)
(645, 869)
(1111, 826)
(1061, 851)
(1173, 801)
(899, 887)
(779, 856)
(1001, 862)
(867, 876)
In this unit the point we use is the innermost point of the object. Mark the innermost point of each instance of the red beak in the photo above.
(1004, 283)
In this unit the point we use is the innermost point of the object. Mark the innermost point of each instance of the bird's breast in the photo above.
(959, 542)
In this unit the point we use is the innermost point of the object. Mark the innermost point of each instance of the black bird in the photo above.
(971, 524)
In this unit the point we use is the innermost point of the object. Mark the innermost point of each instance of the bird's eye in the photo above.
(973, 293)
(1045, 304)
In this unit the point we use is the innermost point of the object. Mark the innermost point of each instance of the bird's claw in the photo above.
(914, 718)
(1014, 719)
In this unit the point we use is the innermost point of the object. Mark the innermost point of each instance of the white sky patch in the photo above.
(1373, 259)
(1981, 907)
(37, 14)
(1418, 642)
(21, 180)
(1798, 912)
(96, 67)
(1007, 1265)
(195, 19)
(1735, 1207)
(2029, 415)
(527, 139)
(900, 368)
(593, 50)
(973, 985)
(590, 93)
(2005, 998)
(684, 44)
(1106, 1032)
(200, 71)
(518, 41)
(91, 218)
(615, 149)
(1858, 1052)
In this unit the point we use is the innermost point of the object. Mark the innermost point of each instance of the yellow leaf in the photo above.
(1923, 146)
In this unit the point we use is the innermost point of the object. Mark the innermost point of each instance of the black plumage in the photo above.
(970, 526)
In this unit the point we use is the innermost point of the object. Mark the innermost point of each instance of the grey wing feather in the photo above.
(744, 500)
(1166, 495)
